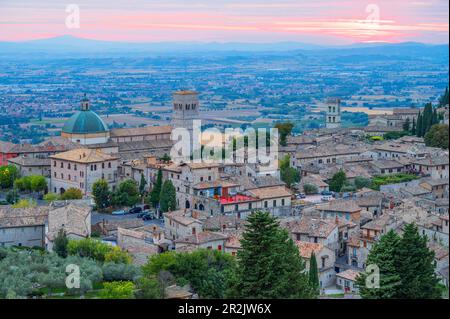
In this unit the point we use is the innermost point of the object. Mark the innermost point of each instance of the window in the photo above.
(75, 167)
(274, 203)
(54, 163)
(265, 204)
(62, 165)
(103, 165)
(68, 166)
(62, 176)
(193, 230)
(283, 202)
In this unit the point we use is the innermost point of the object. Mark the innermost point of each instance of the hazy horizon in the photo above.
(321, 22)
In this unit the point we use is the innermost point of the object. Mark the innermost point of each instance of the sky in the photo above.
(313, 21)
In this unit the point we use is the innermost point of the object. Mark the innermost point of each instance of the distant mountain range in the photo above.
(68, 45)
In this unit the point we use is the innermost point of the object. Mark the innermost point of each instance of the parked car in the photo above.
(300, 196)
(142, 213)
(135, 210)
(327, 198)
(118, 212)
(148, 216)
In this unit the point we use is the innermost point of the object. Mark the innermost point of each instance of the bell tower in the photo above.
(185, 109)
(85, 103)
(333, 113)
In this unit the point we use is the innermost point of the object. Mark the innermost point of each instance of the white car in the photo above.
(118, 212)
(327, 198)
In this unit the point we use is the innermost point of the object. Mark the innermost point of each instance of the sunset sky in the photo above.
(313, 21)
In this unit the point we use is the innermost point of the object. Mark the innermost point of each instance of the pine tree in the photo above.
(313, 274)
(269, 263)
(415, 265)
(168, 197)
(382, 254)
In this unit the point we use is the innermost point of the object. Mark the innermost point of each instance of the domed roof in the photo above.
(85, 122)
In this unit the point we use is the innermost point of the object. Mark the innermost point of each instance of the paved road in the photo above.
(98, 217)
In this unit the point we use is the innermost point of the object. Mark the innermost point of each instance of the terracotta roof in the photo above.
(137, 131)
(84, 155)
(270, 192)
(202, 238)
(312, 227)
(338, 205)
(217, 183)
(306, 248)
(5, 147)
(179, 216)
(21, 217)
(30, 161)
(185, 92)
(74, 218)
(349, 274)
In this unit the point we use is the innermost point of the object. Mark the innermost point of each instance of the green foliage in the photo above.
(28, 272)
(25, 203)
(101, 194)
(379, 180)
(8, 173)
(97, 250)
(426, 120)
(120, 272)
(142, 184)
(337, 181)
(382, 254)
(117, 255)
(60, 244)
(12, 196)
(395, 135)
(269, 264)
(127, 194)
(153, 197)
(416, 266)
(206, 271)
(348, 187)
(313, 274)
(437, 136)
(310, 189)
(71, 193)
(443, 100)
(50, 197)
(284, 129)
(148, 288)
(406, 125)
(168, 197)
(288, 174)
(117, 290)
(361, 182)
(407, 267)
(34, 183)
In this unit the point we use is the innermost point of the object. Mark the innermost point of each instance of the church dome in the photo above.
(85, 122)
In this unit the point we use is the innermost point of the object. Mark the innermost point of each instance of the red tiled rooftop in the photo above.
(235, 199)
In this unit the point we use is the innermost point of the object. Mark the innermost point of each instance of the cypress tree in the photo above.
(427, 118)
(168, 197)
(382, 254)
(419, 125)
(415, 265)
(413, 128)
(313, 274)
(269, 263)
(406, 125)
(142, 184)
(434, 118)
(156, 190)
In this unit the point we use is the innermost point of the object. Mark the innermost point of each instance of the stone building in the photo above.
(333, 113)
(81, 168)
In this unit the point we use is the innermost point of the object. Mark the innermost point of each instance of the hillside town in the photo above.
(337, 191)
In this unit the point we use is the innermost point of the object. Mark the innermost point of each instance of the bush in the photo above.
(117, 290)
(310, 189)
(379, 180)
(71, 193)
(25, 203)
(117, 272)
(50, 197)
(97, 250)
